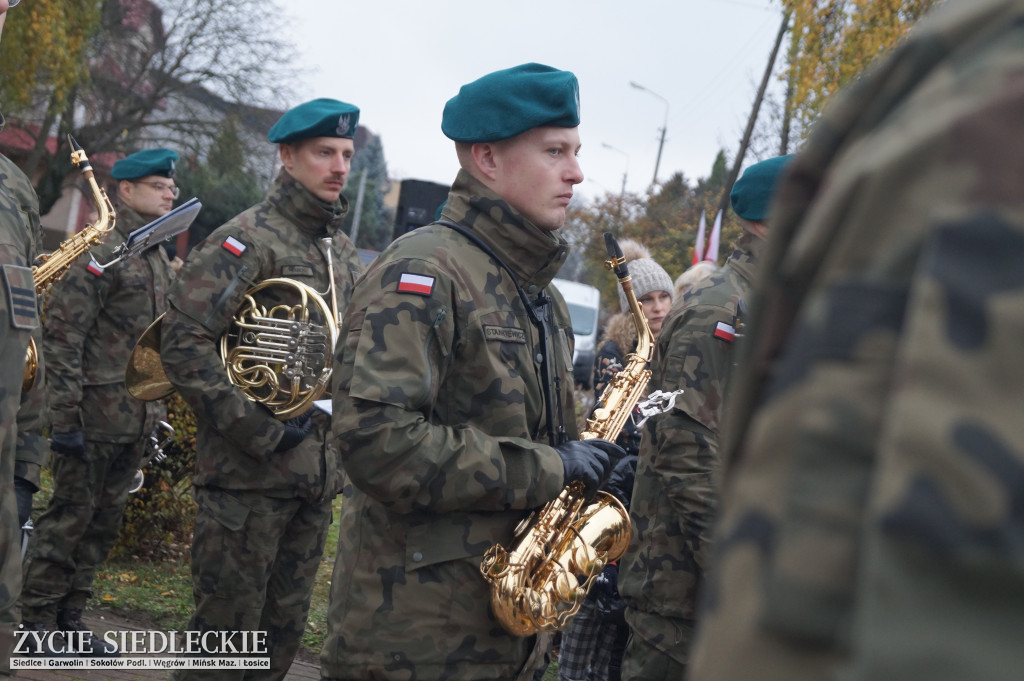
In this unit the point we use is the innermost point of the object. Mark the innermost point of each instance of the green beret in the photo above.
(146, 162)
(318, 118)
(752, 194)
(506, 103)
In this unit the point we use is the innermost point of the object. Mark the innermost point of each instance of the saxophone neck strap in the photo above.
(542, 321)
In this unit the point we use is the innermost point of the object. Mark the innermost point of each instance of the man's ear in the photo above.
(485, 159)
(125, 188)
(287, 153)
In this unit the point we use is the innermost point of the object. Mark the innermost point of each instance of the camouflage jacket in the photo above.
(33, 449)
(440, 418)
(871, 515)
(279, 237)
(674, 498)
(93, 319)
(19, 243)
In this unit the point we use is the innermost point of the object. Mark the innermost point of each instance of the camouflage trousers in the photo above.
(79, 526)
(658, 648)
(254, 563)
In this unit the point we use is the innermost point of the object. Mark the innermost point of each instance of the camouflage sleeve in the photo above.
(73, 305)
(682, 453)
(32, 446)
(390, 407)
(201, 305)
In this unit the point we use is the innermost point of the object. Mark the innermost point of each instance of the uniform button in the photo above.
(539, 358)
(417, 557)
(531, 288)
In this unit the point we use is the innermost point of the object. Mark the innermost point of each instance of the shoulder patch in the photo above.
(94, 269)
(233, 245)
(725, 332)
(415, 283)
(21, 296)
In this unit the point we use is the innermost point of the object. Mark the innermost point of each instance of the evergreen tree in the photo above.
(376, 220)
(222, 184)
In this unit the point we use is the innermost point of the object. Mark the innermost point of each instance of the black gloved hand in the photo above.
(71, 443)
(610, 606)
(295, 431)
(589, 461)
(608, 581)
(620, 481)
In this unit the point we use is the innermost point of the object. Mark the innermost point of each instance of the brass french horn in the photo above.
(278, 349)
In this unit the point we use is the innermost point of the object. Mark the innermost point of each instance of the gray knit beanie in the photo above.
(646, 274)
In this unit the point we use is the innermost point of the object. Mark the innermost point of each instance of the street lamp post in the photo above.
(624, 172)
(622, 192)
(664, 126)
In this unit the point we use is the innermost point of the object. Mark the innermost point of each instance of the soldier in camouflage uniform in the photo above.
(98, 431)
(450, 402)
(674, 495)
(871, 521)
(263, 486)
(19, 243)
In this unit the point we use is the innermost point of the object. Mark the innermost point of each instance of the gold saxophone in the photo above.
(52, 267)
(560, 550)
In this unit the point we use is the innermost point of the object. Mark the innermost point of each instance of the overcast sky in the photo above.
(399, 61)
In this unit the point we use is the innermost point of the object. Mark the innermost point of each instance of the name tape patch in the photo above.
(505, 334)
(415, 283)
(296, 271)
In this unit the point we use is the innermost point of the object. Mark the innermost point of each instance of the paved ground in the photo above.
(300, 671)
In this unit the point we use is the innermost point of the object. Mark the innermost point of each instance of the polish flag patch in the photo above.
(234, 245)
(725, 332)
(415, 283)
(94, 269)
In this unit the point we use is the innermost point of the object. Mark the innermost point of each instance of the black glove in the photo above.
(71, 443)
(589, 461)
(620, 481)
(295, 431)
(610, 606)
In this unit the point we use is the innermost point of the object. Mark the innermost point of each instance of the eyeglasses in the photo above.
(161, 187)
(12, 3)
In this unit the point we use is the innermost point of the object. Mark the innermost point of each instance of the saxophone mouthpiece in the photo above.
(618, 261)
(78, 156)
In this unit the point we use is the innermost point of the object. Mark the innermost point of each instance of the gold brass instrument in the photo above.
(281, 356)
(52, 267)
(278, 349)
(559, 551)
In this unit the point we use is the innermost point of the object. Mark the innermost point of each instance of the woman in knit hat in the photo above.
(593, 644)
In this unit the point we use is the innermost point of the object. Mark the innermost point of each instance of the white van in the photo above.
(584, 302)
